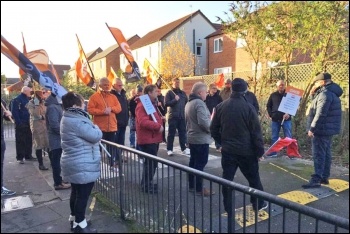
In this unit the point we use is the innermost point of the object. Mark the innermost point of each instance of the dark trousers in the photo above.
(149, 165)
(110, 136)
(249, 166)
(24, 145)
(198, 160)
(3, 148)
(79, 197)
(163, 133)
(55, 159)
(322, 156)
(180, 125)
(120, 139)
(39, 156)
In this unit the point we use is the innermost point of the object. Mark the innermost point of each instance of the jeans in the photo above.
(78, 200)
(55, 159)
(180, 125)
(120, 139)
(149, 165)
(249, 166)
(321, 153)
(198, 160)
(132, 132)
(24, 143)
(3, 148)
(276, 127)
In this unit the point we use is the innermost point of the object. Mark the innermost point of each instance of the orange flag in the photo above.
(81, 67)
(111, 76)
(119, 37)
(147, 68)
(220, 80)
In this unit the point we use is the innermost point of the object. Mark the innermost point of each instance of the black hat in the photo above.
(139, 89)
(239, 85)
(323, 76)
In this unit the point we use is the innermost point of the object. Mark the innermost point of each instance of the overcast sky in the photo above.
(53, 26)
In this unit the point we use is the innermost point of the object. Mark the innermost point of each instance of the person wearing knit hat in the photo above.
(236, 127)
(324, 121)
(226, 91)
(278, 118)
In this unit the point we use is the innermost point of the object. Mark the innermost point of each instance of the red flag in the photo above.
(291, 144)
(81, 67)
(45, 78)
(119, 37)
(220, 80)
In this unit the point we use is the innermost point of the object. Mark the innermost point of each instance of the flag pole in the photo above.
(4, 108)
(93, 77)
(160, 76)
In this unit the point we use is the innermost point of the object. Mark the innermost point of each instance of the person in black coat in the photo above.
(212, 100)
(162, 109)
(236, 127)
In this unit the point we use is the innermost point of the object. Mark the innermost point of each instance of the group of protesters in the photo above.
(229, 117)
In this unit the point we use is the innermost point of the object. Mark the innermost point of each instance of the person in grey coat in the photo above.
(324, 121)
(81, 157)
(197, 117)
(53, 118)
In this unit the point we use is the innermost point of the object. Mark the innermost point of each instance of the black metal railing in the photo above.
(176, 209)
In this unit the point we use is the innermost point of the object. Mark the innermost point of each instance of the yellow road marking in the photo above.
(338, 185)
(288, 171)
(300, 197)
(190, 229)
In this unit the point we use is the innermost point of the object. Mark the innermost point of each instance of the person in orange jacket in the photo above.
(104, 106)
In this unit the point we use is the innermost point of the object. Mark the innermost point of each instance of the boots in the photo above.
(82, 227)
(39, 156)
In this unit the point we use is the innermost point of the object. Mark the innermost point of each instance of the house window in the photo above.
(150, 51)
(241, 42)
(218, 45)
(199, 51)
(101, 64)
(222, 70)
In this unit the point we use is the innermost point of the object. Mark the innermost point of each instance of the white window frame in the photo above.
(241, 42)
(217, 45)
(224, 70)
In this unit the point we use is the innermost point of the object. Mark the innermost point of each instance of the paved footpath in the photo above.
(38, 208)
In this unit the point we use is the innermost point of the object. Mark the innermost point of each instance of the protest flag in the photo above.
(134, 75)
(291, 144)
(220, 80)
(111, 76)
(147, 68)
(46, 79)
(81, 67)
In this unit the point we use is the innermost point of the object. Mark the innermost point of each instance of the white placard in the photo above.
(147, 104)
(290, 102)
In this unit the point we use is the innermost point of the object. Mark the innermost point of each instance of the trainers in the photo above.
(218, 149)
(20, 161)
(261, 207)
(62, 186)
(205, 193)
(311, 184)
(324, 181)
(170, 153)
(7, 192)
(186, 151)
(273, 155)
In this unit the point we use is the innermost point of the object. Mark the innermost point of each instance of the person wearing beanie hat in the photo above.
(240, 136)
(239, 85)
(324, 121)
(278, 118)
(226, 91)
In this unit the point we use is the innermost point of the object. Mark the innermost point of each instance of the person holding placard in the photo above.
(278, 118)
(149, 128)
